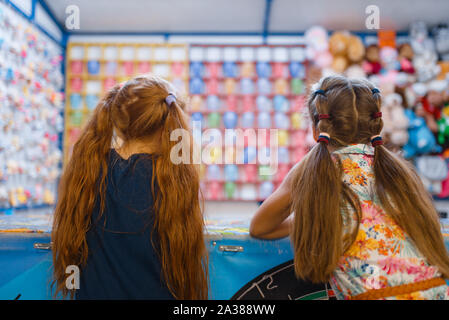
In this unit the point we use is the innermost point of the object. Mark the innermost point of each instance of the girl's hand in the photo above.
(271, 220)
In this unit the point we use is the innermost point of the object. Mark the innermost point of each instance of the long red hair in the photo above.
(136, 110)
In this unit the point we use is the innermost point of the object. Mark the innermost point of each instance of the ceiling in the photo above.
(243, 16)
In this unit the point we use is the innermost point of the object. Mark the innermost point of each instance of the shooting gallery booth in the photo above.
(240, 65)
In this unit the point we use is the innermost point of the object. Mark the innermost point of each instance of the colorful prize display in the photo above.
(94, 68)
(238, 88)
(31, 121)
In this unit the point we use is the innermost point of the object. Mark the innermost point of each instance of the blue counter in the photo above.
(236, 261)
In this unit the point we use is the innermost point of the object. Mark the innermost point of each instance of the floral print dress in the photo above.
(382, 254)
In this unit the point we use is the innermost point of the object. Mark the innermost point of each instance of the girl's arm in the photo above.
(271, 220)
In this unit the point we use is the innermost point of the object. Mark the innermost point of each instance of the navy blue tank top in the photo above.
(122, 262)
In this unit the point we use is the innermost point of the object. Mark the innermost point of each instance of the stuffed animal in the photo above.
(395, 121)
(433, 102)
(433, 170)
(338, 46)
(421, 140)
(443, 126)
(389, 59)
(440, 35)
(356, 49)
(371, 64)
(405, 57)
(425, 57)
(318, 46)
(346, 49)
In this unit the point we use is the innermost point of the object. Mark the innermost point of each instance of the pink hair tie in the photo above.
(323, 116)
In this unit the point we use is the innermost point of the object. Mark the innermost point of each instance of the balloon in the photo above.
(281, 103)
(263, 103)
(247, 69)
(281, 86)
(248, 192)
(76, 84)
(196, 86)
(128, 68)
(247, 120)
(265, 189)
(213, 172)
(197, 117)
(213, 120)
(297, 70)
(229, 86)
(213, 103)
(263, 69)
(264, 120)
(296, 120)
(111, 68)
(264, 86)
(230, 120)
(93, 67)
(76, 118)
(212, 86)
(109, 83)
(250, 155)
(282, 138)
(76, 67)
(196, 69)
(297, 86)
(229, 189)
(197, 103)
(281, 120)
(283, 155)
(231, 102)
(230, 69)
(250, 173)
(212, 69)
(231, 172)
(248, 103)
(246, 86)
(264, 171)
(91, 101)
(75, 101)
(279, 70)
(177, 68)
(215, 190)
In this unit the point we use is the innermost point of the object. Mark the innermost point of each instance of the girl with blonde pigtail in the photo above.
(362, 219)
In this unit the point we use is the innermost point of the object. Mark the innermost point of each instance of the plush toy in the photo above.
(421, 140)
(443, 126)
(405, 57)
(355, 71)
(425, 57)
(318, 47)
(338, 46)
(433, 170)
(371, 64)
(395, 120)
(389, 59)
(356, 49)
(433, 102)
(440, 35)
